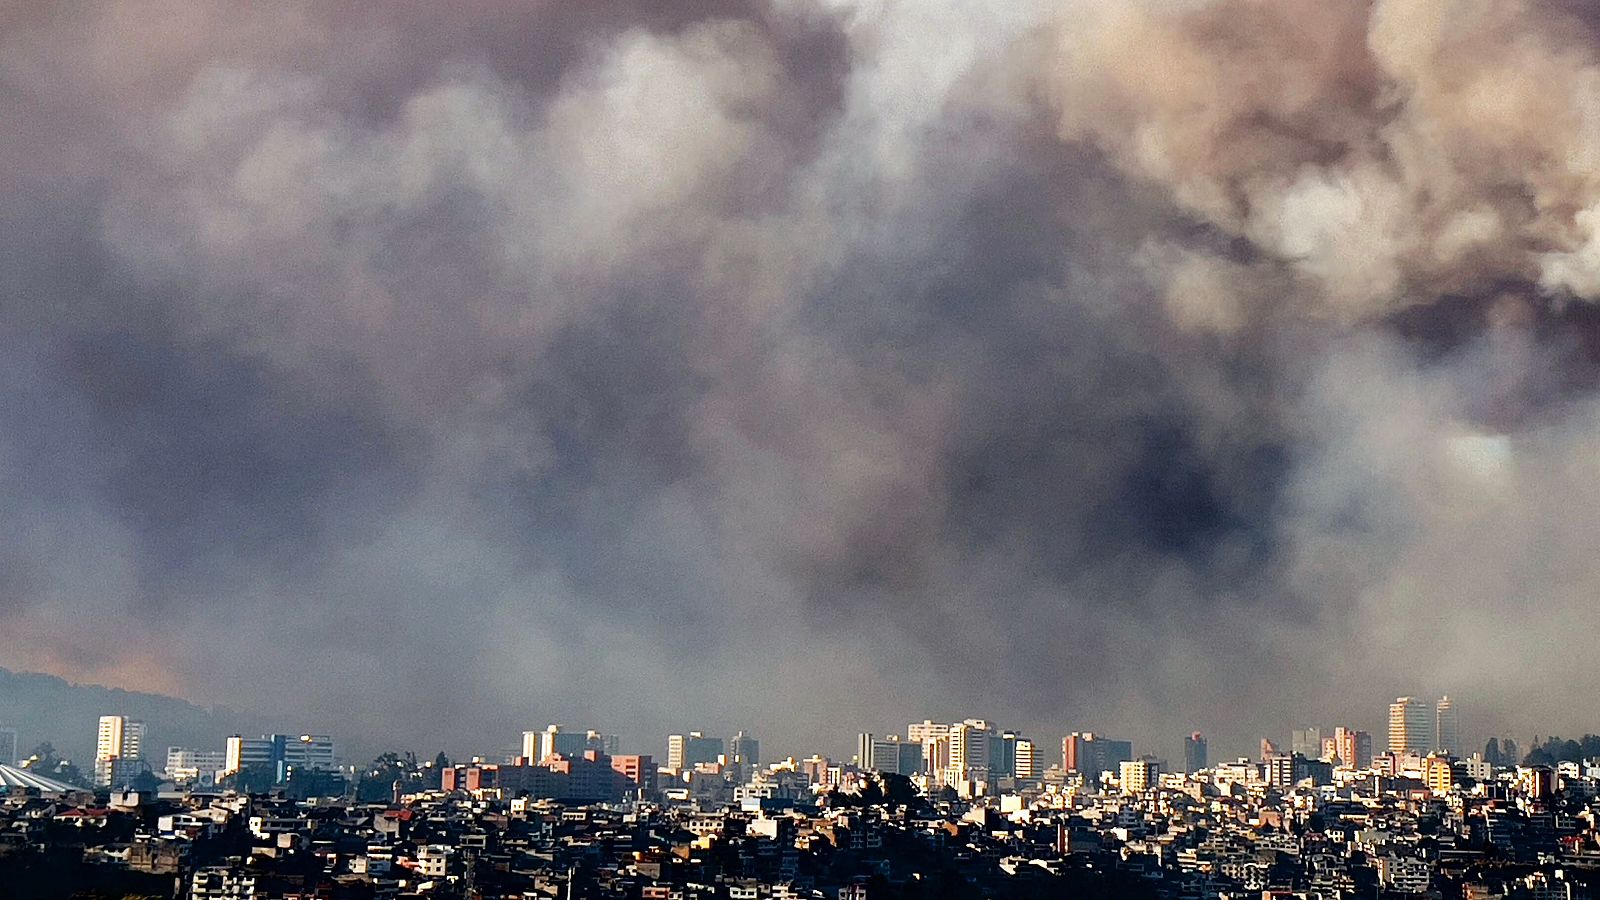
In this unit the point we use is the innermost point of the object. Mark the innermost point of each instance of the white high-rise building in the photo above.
(1411, 724)
(119, 749)
(969, 751)
(1028, 758)
(1446, 727)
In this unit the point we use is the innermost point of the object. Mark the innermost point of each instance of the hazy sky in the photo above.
(426, 372)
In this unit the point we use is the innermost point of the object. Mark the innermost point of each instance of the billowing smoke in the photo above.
(803, 366)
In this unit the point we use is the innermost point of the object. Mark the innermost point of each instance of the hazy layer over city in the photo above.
(428, 372)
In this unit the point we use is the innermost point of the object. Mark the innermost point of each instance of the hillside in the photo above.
(47, 708)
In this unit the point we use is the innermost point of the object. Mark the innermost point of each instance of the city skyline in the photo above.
(686, 748)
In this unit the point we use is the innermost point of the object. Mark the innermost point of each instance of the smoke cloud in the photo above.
(806, 367)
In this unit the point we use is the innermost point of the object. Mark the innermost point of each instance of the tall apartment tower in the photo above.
(118, 749)
(1446, 727)
(1411, 726)
(1352, 747)
(1027, 760)
(969, 749)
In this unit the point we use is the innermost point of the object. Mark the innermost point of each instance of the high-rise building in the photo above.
(889, 753)
(1353, 747)
(1411, 724)
(1194, 753)
(970, 750)
(1003, 754)
(744, 751)
(556, 739)
(1446, 727)
(1306, 741)
(119, 750)
(1028, 761)
(685, 751)
(1091, 754)
(8, 747)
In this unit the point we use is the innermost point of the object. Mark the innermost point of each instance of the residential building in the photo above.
(119, 750)
(1029, 761)
(1353, 747)
(1138, 775)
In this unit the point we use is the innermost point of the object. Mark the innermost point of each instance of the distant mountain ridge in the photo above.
(47, 708)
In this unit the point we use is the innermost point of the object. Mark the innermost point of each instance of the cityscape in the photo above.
(942, 809)
(799, 450)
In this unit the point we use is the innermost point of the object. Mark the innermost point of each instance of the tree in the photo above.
(377, 781)
(253, 779)
(45, 761)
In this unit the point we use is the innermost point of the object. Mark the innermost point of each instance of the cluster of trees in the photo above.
(880, 789)
(45, 761)
(374, 784)
(379, 780)
(1556, 750)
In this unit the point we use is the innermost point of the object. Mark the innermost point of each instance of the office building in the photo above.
(538, 746)
(1003, 754)
(1446, 728)
(685, 751)
(280, 754)
(1411, 724)
(927, 730)
(1194, 753)
(119, 751)
(744, 751)
(1091, 754)
(889, 753)
(1306, 741)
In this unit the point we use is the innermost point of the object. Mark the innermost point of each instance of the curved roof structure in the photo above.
(12, 778)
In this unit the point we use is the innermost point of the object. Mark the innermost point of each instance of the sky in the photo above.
(425, 373)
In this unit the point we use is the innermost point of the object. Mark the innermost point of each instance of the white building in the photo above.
(197, 767)
(119, 750)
